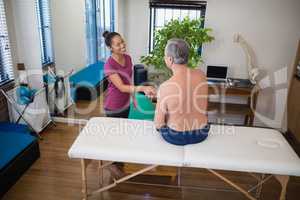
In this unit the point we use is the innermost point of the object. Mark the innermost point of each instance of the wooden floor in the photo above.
(86, 109)
(56, 177)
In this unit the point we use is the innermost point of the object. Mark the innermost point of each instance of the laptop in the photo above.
(216, 74)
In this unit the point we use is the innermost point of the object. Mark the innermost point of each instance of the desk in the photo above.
(223, 90)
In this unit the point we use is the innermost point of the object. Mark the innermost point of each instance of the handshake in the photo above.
(149, 91)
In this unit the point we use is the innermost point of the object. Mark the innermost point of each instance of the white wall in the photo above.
(134, 17)
(25, 42)
(120, 9)
(68, 31)
(68, 22)
(271, 27)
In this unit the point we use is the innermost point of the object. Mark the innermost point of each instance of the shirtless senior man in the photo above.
(181, 110)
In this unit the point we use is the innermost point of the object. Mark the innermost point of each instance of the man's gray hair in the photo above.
(178, 49)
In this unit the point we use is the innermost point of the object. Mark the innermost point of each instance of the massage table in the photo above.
(233, 148)
(86, 83)
(18, 151)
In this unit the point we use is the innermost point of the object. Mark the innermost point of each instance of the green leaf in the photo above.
(187, 29)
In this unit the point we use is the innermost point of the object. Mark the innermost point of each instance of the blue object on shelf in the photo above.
(49, 79)
(25, 95)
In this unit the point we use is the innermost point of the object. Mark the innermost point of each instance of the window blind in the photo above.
(44, 22)
(163, 11)
(6, 67)
(99, 18)
(194, 5)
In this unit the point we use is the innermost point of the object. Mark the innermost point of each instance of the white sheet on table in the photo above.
(249, 149)
(233, 148)
(124, 140)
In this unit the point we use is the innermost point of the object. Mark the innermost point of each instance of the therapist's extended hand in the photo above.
(149, 91)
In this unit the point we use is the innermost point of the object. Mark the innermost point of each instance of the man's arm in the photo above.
(117, 81)
(161, 109)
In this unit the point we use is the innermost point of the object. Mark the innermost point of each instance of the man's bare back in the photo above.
(183, 100)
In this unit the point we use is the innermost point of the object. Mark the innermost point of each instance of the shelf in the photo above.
(229, 108)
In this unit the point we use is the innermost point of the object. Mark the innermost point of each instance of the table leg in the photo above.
(283, 180)
(100, 173)
(260, 185)
(253, 102)
(179, 176)
(84, 178)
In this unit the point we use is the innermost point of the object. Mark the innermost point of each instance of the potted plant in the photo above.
(189, 30)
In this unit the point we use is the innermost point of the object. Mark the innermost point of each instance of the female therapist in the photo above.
(118, 68)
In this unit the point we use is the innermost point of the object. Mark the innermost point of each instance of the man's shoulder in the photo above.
(199, 74)
(166, 84)
(163, 86)
(198, 71)
(168, 87)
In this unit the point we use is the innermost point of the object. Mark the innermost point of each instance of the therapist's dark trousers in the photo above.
(182, 138)
(122, 113)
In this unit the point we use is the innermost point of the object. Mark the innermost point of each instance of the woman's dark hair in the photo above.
(109, 36)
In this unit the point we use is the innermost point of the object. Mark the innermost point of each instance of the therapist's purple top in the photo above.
(114, 98)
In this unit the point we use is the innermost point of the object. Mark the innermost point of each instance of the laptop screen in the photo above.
(216, 72)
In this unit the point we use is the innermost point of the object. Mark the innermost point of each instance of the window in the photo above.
(105, 21)
(44, 23)
(99, 17)
(6, 68)
(163, 11)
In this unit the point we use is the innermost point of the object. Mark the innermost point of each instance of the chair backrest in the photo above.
(140, 74)
(145, 108)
